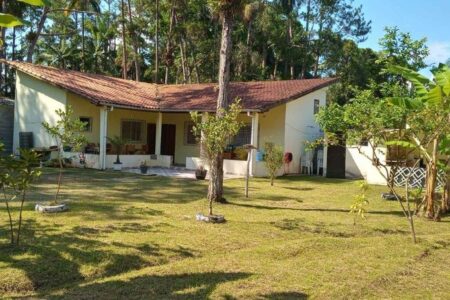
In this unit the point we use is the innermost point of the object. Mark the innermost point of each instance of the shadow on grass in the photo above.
(51, 259)
(182, 286)
(339, 210)
(285, 296)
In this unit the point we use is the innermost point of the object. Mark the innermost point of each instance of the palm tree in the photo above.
(83, 6)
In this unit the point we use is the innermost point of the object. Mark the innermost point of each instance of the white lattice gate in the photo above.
(416, 177)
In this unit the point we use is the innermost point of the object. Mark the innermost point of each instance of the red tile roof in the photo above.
(105, 90)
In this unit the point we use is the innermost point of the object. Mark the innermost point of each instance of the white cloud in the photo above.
(439, 52)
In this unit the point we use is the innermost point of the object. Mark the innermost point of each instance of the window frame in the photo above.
(249, 127)
(88, 128)
(142, 133)
(316, 106)
(187, 132)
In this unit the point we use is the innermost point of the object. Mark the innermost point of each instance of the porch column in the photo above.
(202, 137)
(254, 142)
(103, 136)
(158, 134)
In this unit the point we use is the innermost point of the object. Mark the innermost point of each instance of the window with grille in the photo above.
(87, 123)
(189, 137)
(316, 106)
(243, 137)
(132, 130)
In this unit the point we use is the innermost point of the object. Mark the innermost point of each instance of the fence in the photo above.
(416, 177)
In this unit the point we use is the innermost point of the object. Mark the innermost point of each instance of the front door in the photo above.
(168, 140)
(151, 136)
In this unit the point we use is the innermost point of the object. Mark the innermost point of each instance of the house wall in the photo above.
(358, 165)
(36, 102)
(271, 130)
(7, 125)
(301, 126)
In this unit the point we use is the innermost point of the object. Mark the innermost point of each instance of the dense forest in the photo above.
(177, 41)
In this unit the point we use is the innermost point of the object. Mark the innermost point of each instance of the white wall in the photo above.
(36, 101)
(128, 161)
(301, 126)
(358, 164)
(230, 166)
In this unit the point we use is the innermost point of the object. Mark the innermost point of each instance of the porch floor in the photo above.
(178, 172)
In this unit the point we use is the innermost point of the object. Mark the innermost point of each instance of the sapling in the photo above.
(67, 132)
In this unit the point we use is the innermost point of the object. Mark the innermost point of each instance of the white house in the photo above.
(155, 119)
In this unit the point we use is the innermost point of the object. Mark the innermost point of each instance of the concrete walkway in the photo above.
(177, 172)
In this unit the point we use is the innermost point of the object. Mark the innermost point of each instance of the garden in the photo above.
(136, 237)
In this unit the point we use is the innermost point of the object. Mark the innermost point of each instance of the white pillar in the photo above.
(254, 142)
(202, 137)
(103, 136)
(158, 134)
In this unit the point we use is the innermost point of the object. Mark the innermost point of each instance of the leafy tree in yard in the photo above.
(227, 10)
(273, 160)
(427, 126)
(67, 132)
(16, 176)
(372, 120)
(216, 132)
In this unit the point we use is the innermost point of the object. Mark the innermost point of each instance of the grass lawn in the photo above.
(129, 236)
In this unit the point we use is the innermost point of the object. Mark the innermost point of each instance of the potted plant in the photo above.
(118, 143)
(200, 173)
(144, 167)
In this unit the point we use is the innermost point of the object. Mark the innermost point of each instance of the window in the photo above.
(316, 105)
(88, 122)
(132, 131)
(243, 137)
(189, 137)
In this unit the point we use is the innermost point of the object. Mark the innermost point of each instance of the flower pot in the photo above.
(200, 174)
(117, 166)
(144, 169)
(51, 208)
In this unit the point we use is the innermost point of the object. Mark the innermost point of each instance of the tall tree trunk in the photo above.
(39, 28)
(215, 190)
(431, 182)
(137, 66)
(291, 61)
(3, 43)
(157, 43)
(169, 50)
(83, 67)
(124, 43)
(306, 41)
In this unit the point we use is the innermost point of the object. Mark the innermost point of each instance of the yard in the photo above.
(130, 236)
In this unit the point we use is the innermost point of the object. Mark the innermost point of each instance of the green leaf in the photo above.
(7, 20)
(35, 2)
(419, 81)
(434, 96)
(405, 102)
(442, 77)
(403, 144)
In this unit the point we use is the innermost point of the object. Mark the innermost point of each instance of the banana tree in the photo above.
(427, 124)
(8, 20)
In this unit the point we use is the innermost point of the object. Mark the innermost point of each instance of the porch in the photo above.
(161, 139)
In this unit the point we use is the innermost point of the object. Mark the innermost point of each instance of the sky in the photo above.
(422, 18)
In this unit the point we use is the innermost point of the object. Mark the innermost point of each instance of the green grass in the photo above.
(132, 237)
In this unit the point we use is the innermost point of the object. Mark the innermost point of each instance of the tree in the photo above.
(216, 132)
(369, 119)
(427, 124)
(67, 132)
(273, 160)
(227, 10)
(83, 6)
(16, 176)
